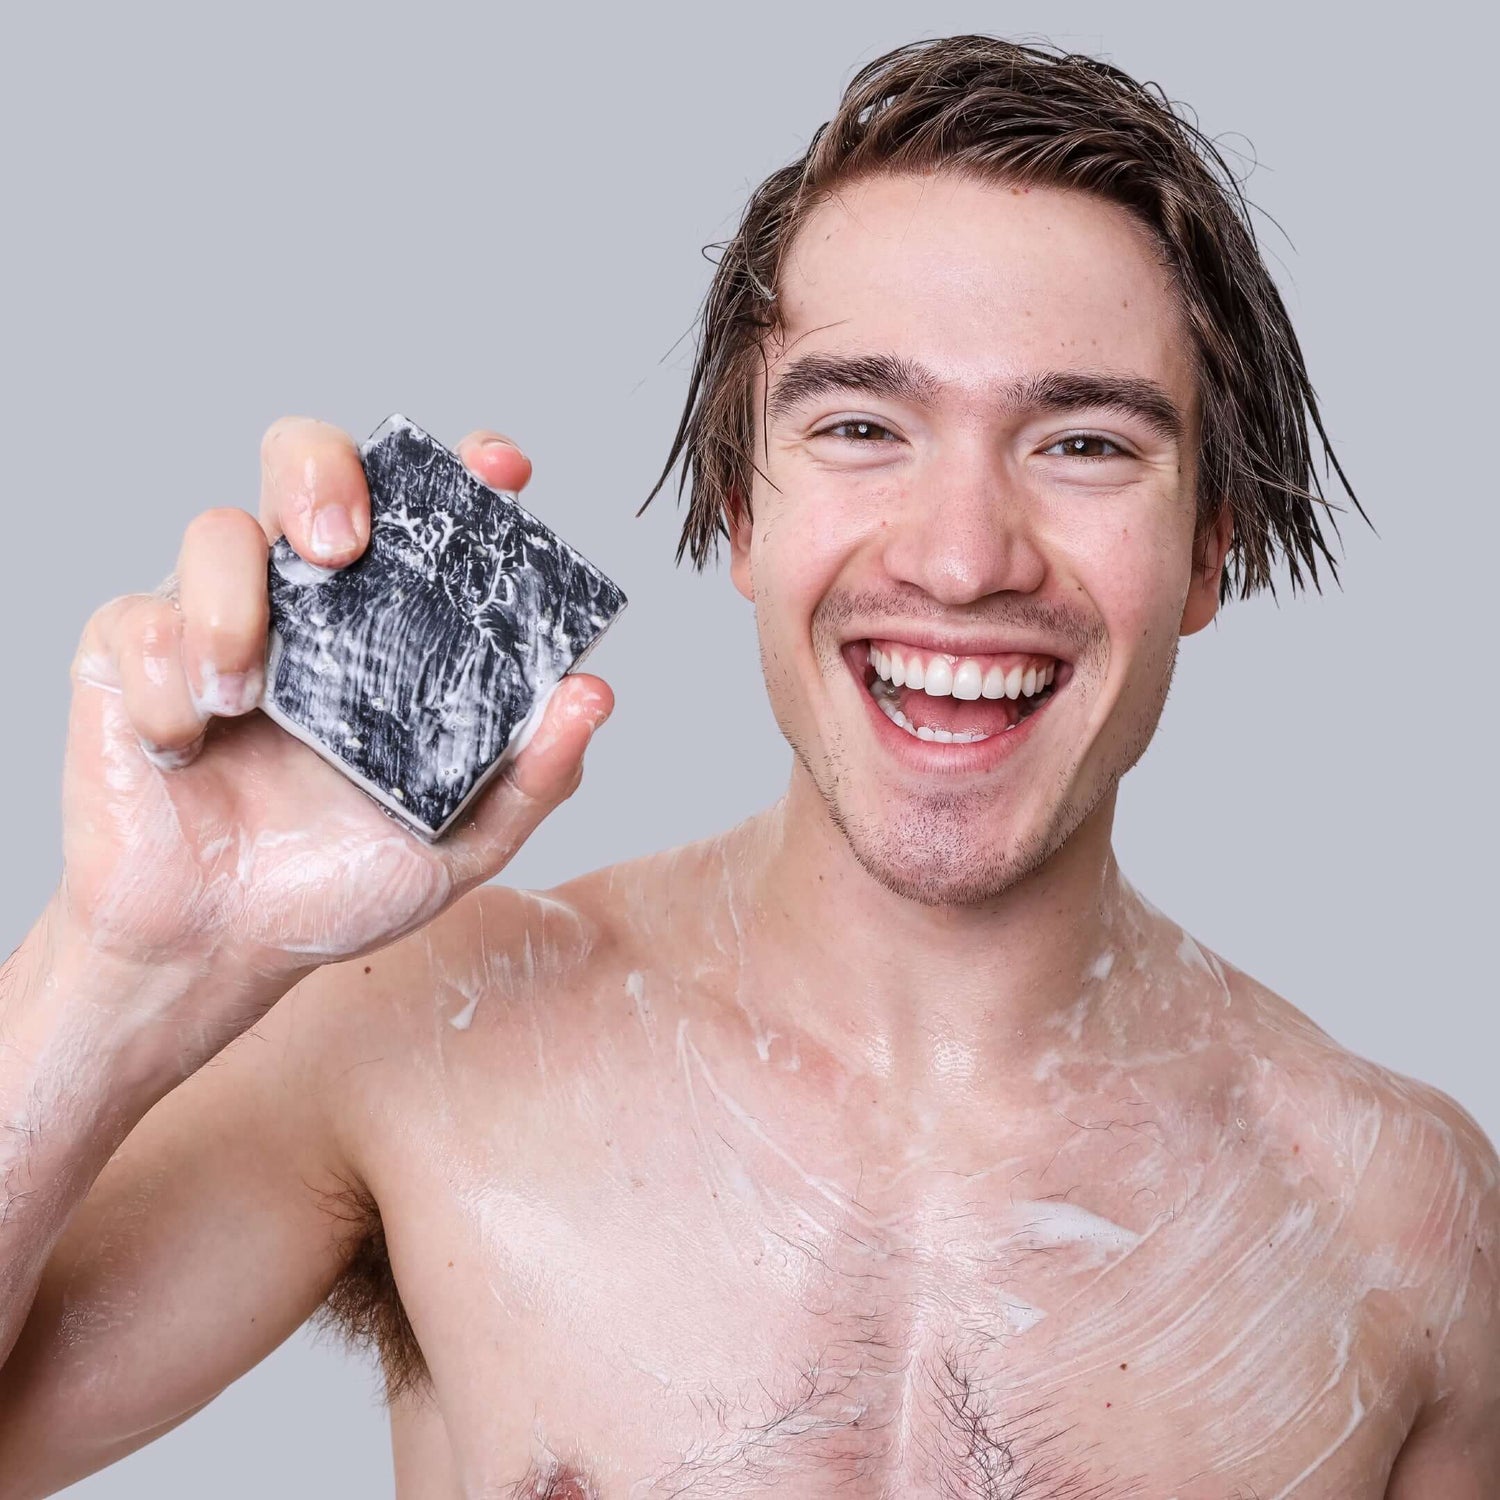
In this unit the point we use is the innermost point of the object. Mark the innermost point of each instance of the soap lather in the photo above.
(420, 668)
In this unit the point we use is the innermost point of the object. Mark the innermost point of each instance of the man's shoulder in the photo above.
(562, 944)
(1440, 1175)
(1382, 1124)
(1431, 1229)
(1415, 1177)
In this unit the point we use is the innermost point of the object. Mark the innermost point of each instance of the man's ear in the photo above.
(1210, 549)
(739, 544)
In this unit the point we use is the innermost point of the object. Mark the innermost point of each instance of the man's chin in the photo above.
(940, 859)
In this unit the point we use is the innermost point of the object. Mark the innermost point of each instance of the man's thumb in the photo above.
(546, 772)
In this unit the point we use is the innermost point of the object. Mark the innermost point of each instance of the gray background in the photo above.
(494, 216)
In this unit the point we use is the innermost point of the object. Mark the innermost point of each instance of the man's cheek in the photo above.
(791, 575)
(1136, 580)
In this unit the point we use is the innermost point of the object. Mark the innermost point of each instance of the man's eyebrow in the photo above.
(886, 375)
(901, 379)
(1066, 390)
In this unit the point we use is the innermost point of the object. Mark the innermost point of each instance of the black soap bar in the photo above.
(419, 667)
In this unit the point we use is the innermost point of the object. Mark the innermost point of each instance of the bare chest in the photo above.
(677, 1290)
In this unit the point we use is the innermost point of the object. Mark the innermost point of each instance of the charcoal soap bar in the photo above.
(418, 667)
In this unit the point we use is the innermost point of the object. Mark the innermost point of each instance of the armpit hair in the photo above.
(364, 1309)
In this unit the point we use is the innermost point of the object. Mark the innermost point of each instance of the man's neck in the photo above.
(942, 996)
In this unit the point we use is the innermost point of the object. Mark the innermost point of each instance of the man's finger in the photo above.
(540, 777)
(495, 459)
(313, 491)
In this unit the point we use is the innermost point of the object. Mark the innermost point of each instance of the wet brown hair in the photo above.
(1003, 112)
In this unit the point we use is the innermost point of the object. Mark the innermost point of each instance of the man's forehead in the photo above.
(980, 282)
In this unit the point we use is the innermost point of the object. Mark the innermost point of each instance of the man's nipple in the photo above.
(560, 1483)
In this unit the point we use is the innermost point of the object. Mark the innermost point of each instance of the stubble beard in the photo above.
(929, 854)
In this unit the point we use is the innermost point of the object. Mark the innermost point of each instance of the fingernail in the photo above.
(499, 442)
(333, 531)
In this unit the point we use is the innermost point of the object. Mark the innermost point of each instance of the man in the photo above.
(888, 1144)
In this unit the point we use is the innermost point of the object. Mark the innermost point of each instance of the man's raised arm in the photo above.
(160, 1228)
(150, 1256)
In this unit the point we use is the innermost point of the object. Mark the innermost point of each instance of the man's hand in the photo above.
(199, 835)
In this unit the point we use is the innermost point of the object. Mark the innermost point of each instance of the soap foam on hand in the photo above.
(420, 668)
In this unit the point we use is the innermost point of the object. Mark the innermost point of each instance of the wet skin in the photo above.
(698, 1248)
(890, 1143)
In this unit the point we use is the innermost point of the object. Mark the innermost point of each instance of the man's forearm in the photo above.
(82, 1058)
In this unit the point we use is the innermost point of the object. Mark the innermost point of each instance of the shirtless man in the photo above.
(889, 1144)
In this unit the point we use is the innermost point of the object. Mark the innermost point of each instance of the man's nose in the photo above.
(965, 531)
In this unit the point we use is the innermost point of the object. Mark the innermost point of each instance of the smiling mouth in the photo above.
(936, 696)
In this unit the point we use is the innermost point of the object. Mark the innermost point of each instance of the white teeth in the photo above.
(939, 676)
(937, 681)
(968, 680)
(944, 736)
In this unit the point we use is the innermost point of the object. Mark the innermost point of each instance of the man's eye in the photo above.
(1085, 445)
(854, 430)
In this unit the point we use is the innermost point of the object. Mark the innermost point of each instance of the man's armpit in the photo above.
(364, 1309)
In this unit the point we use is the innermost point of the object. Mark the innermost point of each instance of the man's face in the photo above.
(978, 429)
